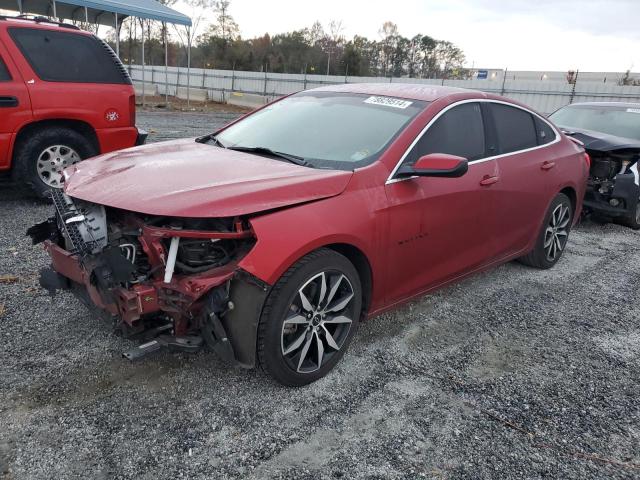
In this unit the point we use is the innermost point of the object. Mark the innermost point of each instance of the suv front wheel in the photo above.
(42, 156)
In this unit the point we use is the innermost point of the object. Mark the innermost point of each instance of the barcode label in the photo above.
(388, 102)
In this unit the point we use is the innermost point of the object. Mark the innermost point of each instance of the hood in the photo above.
(187, 179)
(601, 142)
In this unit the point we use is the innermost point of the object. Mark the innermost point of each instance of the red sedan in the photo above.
(270, 240)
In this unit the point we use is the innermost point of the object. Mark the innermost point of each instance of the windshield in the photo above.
(621, 121)
(326, 129)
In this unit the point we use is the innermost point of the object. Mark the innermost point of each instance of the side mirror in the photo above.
(435, 165)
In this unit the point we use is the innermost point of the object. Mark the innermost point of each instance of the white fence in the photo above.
(542, 95)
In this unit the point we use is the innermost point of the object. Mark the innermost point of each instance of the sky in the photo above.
(552, 35)
(539, 35)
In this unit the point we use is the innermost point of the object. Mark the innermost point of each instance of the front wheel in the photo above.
(553, 236)
(633, 220)
(309, 318)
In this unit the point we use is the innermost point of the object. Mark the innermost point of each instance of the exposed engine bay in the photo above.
(613, 175)
(164, 279)
(613, 187)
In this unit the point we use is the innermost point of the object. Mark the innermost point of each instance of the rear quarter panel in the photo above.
(571, 171)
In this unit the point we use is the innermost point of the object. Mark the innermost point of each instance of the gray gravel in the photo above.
(514, 373)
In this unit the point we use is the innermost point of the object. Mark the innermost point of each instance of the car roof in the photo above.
(606, 104)
(412, 91)
(38, 22)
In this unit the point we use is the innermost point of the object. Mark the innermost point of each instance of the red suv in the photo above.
(64, 96)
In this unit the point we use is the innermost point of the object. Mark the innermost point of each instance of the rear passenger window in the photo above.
(68, 57)
(544, 131)
(515, 128)
(5, 76)
(459, 131)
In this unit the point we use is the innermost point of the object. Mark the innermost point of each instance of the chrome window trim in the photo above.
(390, 179)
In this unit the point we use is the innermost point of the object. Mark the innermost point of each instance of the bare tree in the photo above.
(315, 33)
(199, 9)
(389, 43)
(225, 26)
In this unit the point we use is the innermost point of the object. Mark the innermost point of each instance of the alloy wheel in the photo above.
(52, 161)
(557, 233)
(318, 322)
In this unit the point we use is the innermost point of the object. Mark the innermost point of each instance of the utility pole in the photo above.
(328, 60)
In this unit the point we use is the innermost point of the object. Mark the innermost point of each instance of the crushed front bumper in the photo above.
(622, 201)
(242, 297)
(141, 299)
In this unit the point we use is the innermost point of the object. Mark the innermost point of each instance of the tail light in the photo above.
(587, 158)
(132, 110)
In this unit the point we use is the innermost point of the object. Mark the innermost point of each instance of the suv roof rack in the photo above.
(40, 19)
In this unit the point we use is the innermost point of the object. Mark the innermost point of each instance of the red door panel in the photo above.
(524, 192)
(15, 105)
(527, 167)
(439, 228)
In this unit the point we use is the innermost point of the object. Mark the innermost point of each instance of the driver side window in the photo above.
(459, 131)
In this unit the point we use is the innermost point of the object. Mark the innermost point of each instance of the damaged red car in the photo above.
(271, 239)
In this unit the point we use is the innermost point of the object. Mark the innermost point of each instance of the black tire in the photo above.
(540, 257)
(285, 297)
(632, 221)
(29, 149)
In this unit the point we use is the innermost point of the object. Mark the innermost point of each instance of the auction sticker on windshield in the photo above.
(388, 102)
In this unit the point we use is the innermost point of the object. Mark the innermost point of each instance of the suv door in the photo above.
(441, 228)
(15, 106)
(524, 190)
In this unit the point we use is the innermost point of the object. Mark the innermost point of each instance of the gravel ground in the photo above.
(514, 373)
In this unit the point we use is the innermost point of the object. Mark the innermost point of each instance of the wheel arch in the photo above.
(361, 263)
(81, 127)
(573, 197)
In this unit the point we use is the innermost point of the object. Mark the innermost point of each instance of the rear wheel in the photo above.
(41, 158)
(553, 236)
(309, 318)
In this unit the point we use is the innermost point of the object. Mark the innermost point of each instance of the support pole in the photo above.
(86, 15)
(504, 79)
(264, 90)
(573, 88)
(20, 6)
(117, 36)
(166, 66)
(188, 65)
(143, 79)
(55, 14)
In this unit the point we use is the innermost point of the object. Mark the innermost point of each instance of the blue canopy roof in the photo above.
(99, 11)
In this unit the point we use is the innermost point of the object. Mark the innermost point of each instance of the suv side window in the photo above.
(5, 76)
(515, 128)
(459, 131)
(544, 131)
(68, 57)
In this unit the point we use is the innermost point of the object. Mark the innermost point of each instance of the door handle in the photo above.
(547, 165)
(8, 102)
(489, 180)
